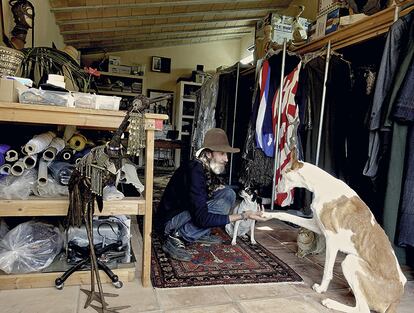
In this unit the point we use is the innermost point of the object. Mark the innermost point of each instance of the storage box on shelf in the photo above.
(184, 117)
(132, 84)
(96, 119)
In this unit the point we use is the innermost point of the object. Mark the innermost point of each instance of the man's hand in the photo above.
(257, 216)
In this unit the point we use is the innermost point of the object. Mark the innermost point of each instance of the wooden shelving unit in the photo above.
(184, 102)
(96, 119)
(370, 27)
(125, 78)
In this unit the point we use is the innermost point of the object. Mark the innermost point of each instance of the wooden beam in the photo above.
(163, 16)
(160, 39)
(146, 5)
(125, 47)
(159, 26)
(150, 35)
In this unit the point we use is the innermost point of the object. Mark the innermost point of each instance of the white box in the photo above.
(114, 60)
(119, 69)
(84, 100)
(107, 102)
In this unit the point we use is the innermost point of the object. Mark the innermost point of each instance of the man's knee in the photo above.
(229, 195)
(223, 200)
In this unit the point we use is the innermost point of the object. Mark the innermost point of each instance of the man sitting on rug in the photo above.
(195, 199)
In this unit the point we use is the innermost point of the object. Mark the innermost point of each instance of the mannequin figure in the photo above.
(23, 14)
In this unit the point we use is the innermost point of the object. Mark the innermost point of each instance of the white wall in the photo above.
(46, 30)
(184, 59)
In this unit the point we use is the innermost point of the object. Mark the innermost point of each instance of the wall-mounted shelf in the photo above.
(118, 93)
(184, 110)
(121, 75)
(365, 29)
(35, 206)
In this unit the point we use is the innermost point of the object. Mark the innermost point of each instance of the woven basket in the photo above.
(10, 61)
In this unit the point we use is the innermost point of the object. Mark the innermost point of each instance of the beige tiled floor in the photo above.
(287, 298)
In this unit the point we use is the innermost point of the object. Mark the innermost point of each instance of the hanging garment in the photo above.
(204, 110)
(404, 112)
(252, 176)
(288, 128)
(264, 130)
(395, 51)
(335, 118)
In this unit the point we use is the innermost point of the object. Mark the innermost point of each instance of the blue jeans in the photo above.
(221, 203)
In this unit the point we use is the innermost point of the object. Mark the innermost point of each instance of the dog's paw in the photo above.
(329, 303)
(253, 242)
(233, 243)
(318, 288)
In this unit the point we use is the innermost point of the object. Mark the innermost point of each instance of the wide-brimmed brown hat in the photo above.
(216, 140)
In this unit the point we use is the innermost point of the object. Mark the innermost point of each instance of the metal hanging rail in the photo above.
(277, 126)
(234, 120)
(325, 79)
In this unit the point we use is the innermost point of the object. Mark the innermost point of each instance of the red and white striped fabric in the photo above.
(288, 129)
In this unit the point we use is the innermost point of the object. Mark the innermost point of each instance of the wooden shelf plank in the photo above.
(49, 114)
(59, 207)
(118, 93)
(121, 75)
(189, 100)
(39, 280)
(365, 29)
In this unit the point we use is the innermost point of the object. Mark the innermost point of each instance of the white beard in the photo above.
(217, 168)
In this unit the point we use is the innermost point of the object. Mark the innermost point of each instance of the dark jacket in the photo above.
(187, 191)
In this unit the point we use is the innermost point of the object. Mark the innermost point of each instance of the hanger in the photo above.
(322, 53)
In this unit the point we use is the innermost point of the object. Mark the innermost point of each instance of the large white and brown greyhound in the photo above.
(370, 267)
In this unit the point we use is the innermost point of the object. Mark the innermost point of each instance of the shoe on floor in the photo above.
(175, 248)
(209, 239)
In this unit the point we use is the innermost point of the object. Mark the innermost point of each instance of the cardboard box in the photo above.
(119, 69)
(282, 27)
(114, 60)
(8, 90)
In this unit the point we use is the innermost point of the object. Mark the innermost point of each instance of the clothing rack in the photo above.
(277, 126)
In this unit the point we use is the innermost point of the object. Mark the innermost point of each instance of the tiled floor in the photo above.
(287, 298)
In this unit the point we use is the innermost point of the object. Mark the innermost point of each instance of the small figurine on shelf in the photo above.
(23, 14)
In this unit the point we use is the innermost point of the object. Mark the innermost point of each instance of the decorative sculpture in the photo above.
(97, 169)
(23, 14)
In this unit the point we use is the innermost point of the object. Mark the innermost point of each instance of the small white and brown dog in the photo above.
(370, 267)
(242, 227)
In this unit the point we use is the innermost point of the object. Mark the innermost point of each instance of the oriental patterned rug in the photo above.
(220, 264)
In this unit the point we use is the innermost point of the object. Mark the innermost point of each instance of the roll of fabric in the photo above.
(42, 173)
(3, 149)
(110, 193)
(30, 161)
(79, 155)
(39, 143)
(56, 145)
(77, 142)
(5, 169)
(61, 171)
(69, 132)
(66, 154)
(17, 169)
(11, 155)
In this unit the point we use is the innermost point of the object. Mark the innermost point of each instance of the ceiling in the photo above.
(115, 25)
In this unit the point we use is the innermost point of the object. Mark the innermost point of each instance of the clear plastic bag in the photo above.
(12, 187)
(51, 190)
(4, 229)
(30, 247)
